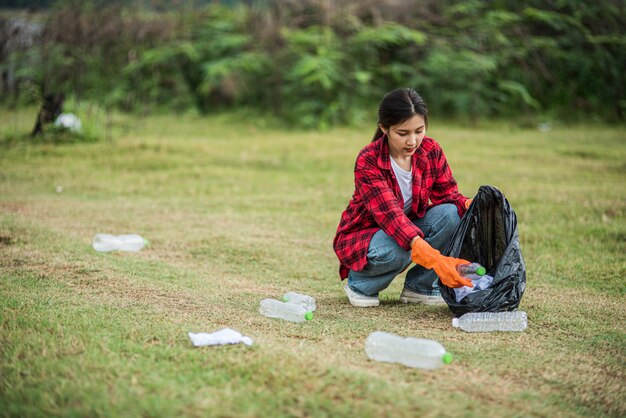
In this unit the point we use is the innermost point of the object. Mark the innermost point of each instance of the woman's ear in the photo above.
(382, 129)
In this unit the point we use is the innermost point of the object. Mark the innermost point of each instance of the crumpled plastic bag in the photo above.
(69, 121)
(221, 337)
(479, 282)
(488, 235)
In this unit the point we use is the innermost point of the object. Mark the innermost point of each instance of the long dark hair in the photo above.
(398, 106)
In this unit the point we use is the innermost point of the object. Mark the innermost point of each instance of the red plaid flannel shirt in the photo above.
(377, 202)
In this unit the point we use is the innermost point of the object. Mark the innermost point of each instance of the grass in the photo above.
(236, 212)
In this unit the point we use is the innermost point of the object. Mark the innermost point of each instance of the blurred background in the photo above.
(319, 63)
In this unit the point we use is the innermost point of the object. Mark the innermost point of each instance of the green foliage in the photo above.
(388, 36)
(519, 90)
(457, 79)
(314, 66)
(40, 70)
(214, 63)
(314, 82)
(153, 77)
(385, 58)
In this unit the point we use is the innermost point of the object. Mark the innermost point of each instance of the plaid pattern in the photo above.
(377, 202)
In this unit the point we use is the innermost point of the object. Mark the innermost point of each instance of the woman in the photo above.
(389, 220)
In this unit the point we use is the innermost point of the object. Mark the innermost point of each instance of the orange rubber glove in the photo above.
(445, 267)
(468, 202)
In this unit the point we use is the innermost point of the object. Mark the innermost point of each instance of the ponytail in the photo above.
(377, 134)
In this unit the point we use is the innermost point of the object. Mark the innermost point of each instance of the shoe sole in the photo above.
(365, 303)
(362, 303)
(423, 301)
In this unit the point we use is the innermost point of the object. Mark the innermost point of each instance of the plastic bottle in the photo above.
(412, 352)
(491, 321)
(128, 242)
(299, 299)
(283, 310)
(472, 268)
(479, 282)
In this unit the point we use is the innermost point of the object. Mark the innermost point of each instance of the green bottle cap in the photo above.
(447, 358)
(308, 316)
(481, 271)
(146, 242)
(284, 299)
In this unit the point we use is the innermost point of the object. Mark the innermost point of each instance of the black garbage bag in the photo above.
(488, 235)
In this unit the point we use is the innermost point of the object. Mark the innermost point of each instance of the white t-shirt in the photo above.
(405, 181)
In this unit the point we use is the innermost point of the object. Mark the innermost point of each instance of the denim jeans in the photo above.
(386, 259)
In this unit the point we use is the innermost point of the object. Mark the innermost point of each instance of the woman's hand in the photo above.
(445, 267)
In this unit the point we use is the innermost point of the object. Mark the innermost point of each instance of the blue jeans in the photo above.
(386, 259)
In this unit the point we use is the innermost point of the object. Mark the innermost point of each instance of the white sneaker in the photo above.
(409, 296)
(361, 301)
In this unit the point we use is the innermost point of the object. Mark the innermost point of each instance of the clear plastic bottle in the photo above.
(491, 321)
(299, 299)
(472, 268)
(273, 308)
(412, 352)
(479, 282)
(128, 242)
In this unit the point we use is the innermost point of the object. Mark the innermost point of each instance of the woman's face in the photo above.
(405, 138)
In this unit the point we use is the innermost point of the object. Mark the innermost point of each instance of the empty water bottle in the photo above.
(283, 310)
(479, 282)
(472, 268)
(491, 321)
(413, 352)
(299, 299)
(128, 242)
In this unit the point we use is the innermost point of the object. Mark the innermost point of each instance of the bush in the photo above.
(318, 64)
(94, 120)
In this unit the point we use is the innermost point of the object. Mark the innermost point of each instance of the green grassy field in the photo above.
(236, 213)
